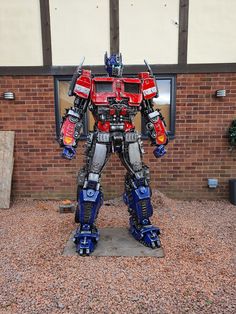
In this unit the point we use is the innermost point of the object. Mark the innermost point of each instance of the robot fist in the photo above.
(159, 151)
(68, 152)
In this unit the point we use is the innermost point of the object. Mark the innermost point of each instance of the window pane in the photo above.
(91, 121)
(138, 122)
(103, 87)
(132, 88)
(65, 102)
(164, 99)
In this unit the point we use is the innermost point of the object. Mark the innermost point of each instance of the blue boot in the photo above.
(87, 235)
(140, 209)
(85, 239)
(145, 233)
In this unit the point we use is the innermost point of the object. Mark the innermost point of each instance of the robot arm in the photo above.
(157, 132)
(70, 131)
(72, 122)
(155, 122)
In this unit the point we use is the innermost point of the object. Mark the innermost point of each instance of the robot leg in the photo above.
(90, 199)
(137, 197)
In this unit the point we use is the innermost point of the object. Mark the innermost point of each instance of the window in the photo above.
(63, 102)
(132, 88)
(165, 102)
(103, 87)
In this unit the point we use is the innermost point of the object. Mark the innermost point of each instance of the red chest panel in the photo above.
(117, 88)
(149, 86)
(83, 84)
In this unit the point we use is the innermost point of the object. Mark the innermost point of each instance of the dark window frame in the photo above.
(171, 132)
(57, 80)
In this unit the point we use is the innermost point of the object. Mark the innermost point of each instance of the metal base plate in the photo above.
(115, 242)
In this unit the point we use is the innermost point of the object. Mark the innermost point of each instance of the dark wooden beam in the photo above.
(114, 27)
(183, 68)
(129, 69)
(46, 70)
(183, 31)
(46, 32)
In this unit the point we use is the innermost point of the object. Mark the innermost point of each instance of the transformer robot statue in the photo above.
(114, 101)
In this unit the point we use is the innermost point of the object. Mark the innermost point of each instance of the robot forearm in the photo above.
(70, 128)
(70, 132)
(155, 122)
(156, 128)
(72, 121)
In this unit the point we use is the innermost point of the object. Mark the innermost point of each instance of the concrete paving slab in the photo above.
(115, 242)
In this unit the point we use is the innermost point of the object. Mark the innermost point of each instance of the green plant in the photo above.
(232, 135)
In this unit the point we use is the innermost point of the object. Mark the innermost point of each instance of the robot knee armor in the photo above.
(89, 202)
(87, 235)
(139, 203)
(140, 209)
(85, 239)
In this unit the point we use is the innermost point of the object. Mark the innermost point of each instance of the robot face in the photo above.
(113, 65)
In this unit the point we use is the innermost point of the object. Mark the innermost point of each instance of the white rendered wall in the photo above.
(79, 28)
(20, 33)
(212, 31)
(149, 29)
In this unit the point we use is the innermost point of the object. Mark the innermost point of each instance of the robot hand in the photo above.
(68, 152)
(159, 151)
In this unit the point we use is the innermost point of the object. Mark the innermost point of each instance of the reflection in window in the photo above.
(132, 88)
(165, 102)
(63, 102)
(103, 87)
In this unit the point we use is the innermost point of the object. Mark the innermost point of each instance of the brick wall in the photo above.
(199, 150)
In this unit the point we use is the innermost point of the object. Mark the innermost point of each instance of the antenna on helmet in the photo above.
(149, 68)
(76, 74)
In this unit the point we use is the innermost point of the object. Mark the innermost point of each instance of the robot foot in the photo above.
(85, 239)
(146, 234)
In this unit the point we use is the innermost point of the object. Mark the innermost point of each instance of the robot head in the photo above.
(113, 65)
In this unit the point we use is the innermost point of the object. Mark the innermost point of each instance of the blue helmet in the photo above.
(113, 65)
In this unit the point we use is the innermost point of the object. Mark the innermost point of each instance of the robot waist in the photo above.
(109, 126)
(129, 137)
(117, 126)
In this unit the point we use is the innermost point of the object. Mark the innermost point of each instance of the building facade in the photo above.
(191, 47)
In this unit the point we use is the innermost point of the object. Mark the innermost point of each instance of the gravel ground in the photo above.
(196, 275)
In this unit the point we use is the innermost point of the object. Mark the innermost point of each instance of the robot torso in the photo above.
(114, 101)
